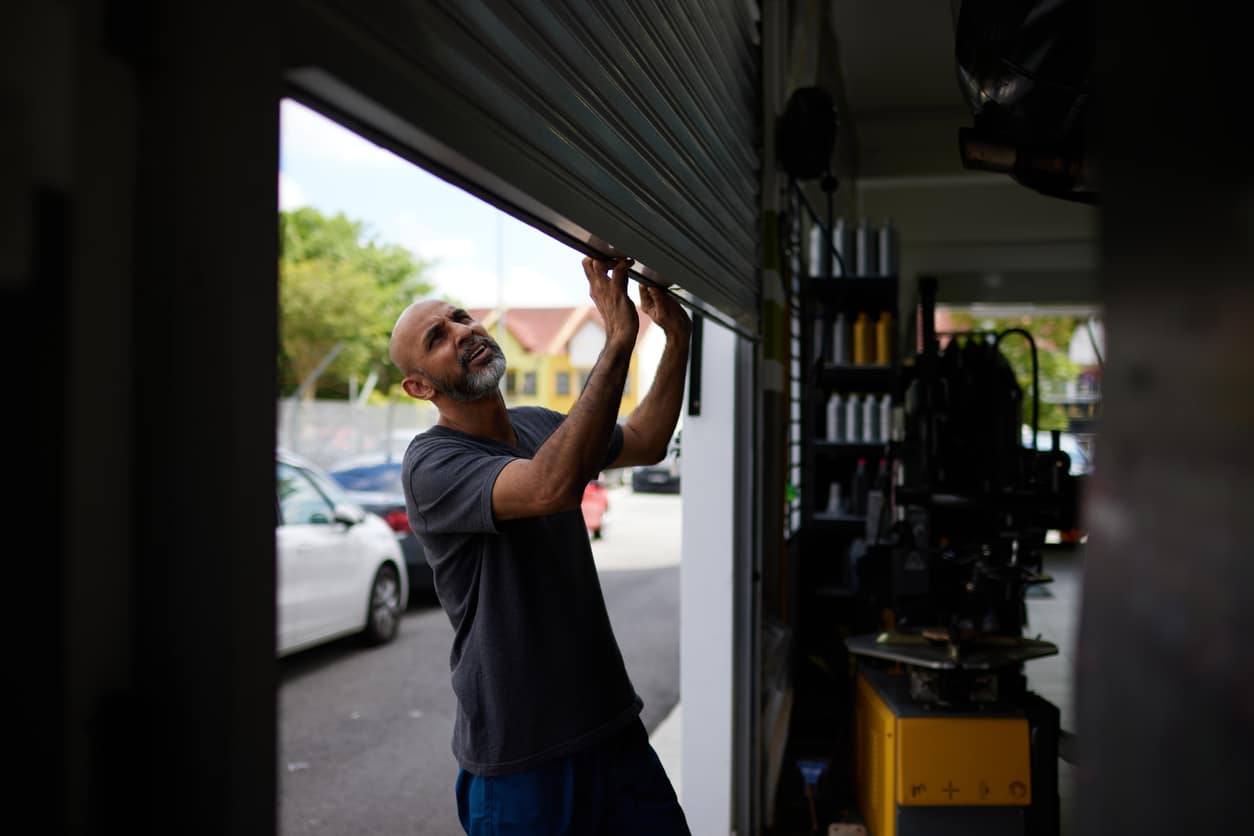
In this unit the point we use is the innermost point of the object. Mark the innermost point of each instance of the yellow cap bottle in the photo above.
(884, 339)
(862, 345)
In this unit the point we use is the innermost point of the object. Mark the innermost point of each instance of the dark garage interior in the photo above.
(138, 272)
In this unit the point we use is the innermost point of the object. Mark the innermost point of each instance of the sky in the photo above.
(328, 167)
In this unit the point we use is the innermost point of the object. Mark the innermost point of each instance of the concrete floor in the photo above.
(1056, 618)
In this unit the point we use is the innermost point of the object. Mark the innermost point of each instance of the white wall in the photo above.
(648, 355)
(706, 590)
(586, 345)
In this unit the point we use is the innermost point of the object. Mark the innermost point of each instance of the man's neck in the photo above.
(485, 418)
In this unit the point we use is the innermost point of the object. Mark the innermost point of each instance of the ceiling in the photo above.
(895, 59)
(892, 65)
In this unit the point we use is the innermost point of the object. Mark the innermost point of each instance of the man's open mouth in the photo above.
(476, 353)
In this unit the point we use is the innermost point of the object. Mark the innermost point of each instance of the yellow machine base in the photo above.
(930, 771)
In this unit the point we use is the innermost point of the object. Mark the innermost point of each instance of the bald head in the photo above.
(407, 332)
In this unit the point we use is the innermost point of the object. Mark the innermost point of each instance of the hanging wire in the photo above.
(1036, 378)
(814, 216)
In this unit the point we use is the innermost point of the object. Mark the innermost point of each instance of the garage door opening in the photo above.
(1069, 343)
(364, 233)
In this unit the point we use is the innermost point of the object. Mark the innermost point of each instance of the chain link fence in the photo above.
(330, 432)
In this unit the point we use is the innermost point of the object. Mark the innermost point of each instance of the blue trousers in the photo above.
(615, 787)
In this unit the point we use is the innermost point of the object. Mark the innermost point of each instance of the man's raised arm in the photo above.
(648, 429)
(554, 478)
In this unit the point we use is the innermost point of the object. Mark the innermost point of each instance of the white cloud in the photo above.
(407, 229)
(445, 249)
(473, 286)
(528, 287)
(306, 133)
(478, 287)
(291, 195)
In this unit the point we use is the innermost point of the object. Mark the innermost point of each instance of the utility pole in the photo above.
(500, 284)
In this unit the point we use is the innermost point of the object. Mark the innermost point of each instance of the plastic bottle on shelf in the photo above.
(859, 488)
(853, 418)
(842, 242)
(887, 249)
(870, 419)
(868, 263)
(833, 497)
(884, 482)
(886, 418)
(835, 410)
(861, 329)
(817, 250)
(884, 338)
(840, 340)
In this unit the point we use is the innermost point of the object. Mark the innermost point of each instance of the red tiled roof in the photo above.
(547, 330)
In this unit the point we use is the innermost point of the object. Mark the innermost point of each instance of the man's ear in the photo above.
(419, 388)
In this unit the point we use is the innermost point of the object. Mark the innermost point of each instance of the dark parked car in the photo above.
(374, 483)
(662, 477)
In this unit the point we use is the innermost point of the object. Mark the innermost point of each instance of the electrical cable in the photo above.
(1036, 379)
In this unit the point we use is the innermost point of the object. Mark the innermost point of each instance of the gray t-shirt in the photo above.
(536, 668)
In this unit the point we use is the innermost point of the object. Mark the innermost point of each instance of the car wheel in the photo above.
(383, 618)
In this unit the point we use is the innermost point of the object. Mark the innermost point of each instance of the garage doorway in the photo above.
(365, 732)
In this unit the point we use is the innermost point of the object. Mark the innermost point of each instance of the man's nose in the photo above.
(462, 332)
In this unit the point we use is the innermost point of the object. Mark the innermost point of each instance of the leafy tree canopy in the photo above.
(339, 286)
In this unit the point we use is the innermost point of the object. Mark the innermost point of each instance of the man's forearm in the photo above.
(576, 449)
(653, 421)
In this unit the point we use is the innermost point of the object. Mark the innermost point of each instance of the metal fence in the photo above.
(330, 432)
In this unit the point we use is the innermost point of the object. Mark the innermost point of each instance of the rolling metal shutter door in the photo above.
(632, 123)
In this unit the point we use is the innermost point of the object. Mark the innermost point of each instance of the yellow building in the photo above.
(550, 352)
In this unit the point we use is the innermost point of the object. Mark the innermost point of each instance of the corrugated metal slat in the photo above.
(632, 123)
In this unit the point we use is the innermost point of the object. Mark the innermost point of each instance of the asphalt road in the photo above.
(364, 732)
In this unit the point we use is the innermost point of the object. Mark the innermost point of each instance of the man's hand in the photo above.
(649, 428)
(666, 311)
(607, 285)
(554, 478)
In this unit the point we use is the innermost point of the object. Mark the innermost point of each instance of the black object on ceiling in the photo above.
(1025, 68)
(805, 135)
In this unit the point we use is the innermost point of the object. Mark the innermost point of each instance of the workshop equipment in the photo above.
(948, 737)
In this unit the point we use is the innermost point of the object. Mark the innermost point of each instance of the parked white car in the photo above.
(340, 569)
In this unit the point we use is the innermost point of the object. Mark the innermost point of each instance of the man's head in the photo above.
(444, 353)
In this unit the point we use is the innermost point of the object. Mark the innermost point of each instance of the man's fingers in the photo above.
(590, 268)
(621, 266)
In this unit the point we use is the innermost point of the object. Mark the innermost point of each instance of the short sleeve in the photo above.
(449, 488)
(615, 448)
(549, 420)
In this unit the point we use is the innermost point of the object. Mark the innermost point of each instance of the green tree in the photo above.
(1052, 335)
(339, 286)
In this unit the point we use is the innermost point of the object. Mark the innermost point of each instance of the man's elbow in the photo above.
(561, 495)
(657, 455)
(646, 450)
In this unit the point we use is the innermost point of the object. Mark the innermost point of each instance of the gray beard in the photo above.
(477, 385)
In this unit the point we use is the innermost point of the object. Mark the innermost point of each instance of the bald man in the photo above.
(548, 735)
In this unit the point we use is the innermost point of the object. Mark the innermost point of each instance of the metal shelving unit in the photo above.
(826, 535)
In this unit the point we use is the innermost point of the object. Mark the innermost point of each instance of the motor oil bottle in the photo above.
(861, 340)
